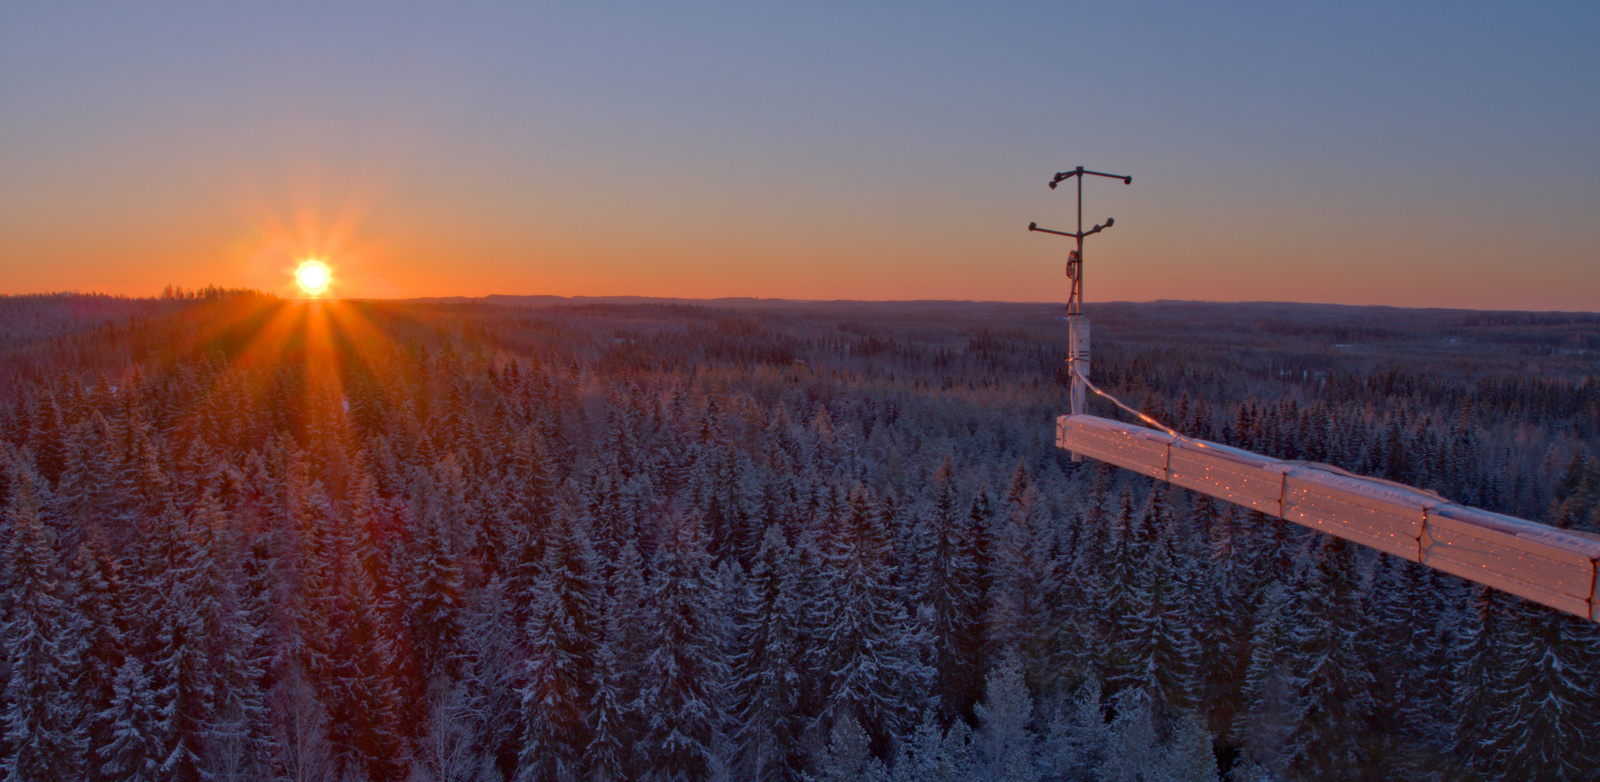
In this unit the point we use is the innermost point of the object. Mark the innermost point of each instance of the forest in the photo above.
(518, 539)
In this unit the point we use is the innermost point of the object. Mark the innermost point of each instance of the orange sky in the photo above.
(788, 154)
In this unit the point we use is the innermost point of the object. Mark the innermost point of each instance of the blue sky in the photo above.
(1417, 154)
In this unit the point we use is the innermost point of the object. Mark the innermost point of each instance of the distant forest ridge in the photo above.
(1548, 344)
(1171, 305)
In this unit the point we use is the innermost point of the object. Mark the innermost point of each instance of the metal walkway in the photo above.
(1538, 562)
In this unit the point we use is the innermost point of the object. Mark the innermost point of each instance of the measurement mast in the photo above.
(1077, 324)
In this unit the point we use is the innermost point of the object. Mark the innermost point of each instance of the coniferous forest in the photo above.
(530, 539)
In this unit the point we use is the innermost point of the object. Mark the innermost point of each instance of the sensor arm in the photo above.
(1078, 172)
(1110, 221)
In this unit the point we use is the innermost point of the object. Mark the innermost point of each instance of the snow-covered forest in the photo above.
(252, 539)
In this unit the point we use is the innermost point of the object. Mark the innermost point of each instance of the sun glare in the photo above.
(313, 277)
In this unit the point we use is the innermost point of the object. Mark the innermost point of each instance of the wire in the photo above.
(1203, 444)
(1147, 419)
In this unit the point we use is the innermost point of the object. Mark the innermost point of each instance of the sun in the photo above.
(313, 277)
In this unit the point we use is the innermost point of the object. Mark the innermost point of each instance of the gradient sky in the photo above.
(1415, 154)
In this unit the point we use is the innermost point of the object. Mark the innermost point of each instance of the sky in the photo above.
(1411, 154)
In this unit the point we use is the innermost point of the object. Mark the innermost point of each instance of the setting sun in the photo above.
(313, 277)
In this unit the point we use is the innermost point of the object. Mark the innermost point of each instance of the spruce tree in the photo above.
(97, 588)
(434, 587)
(872, 656)
(135, 746)
(1125, 602)
(489, 696)
(1133, 749)
(768, 664)
(1006, 742)
(681, 708)
(1552, 694)
(560, 677)
(1480, 731)
(1020, 616)
(848, 757)
(615, 722)
(1074, 742)
(1331, 685)
(949, 591)
(44, 721)
(1170, 654)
